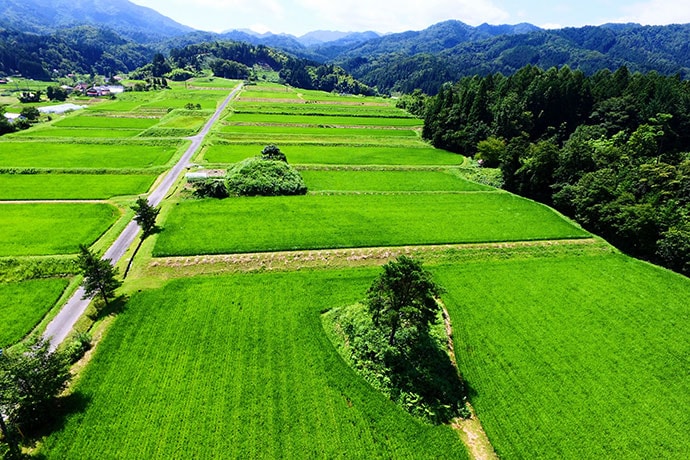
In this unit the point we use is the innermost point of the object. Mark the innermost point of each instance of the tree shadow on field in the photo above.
(114, 307)
(55, 419)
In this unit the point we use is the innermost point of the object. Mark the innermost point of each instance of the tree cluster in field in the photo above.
(266, 175)
(393, 341)
(30, 382)
(610, 150)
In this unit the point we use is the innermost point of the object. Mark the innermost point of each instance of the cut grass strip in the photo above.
(340, 221)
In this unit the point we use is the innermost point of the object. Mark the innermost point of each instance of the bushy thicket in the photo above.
(415, 373)
(609, 150)
(257, 176)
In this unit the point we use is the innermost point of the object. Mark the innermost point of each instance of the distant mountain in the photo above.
(434, 39)
(132, 21)
(451, 50)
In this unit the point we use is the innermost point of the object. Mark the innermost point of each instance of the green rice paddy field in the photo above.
(24, 304)
(322, 120)
(259, 224)
(317, 132)
(388, 181)
(574, 358)
(128, 154)
(31, 229)
(72, 186)
(324, 109)
(415, 155)
(252, 376)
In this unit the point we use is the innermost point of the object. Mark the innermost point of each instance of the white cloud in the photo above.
(657, 12)
(400, 15)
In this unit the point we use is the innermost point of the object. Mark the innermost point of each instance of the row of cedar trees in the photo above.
(610, 150)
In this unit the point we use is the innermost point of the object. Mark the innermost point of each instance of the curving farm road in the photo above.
(60, 327)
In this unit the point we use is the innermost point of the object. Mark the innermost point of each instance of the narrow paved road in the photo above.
(60, 327)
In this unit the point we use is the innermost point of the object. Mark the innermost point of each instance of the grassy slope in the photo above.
(252, 376)
(578, 357)
(23, 305)
(312, 222)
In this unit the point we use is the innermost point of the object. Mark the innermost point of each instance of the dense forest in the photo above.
(83, 50)
(395, 63)
(610, 150)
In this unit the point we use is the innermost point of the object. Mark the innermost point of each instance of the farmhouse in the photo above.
(12, 117)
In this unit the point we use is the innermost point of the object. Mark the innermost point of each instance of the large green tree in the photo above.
(146, 217)
(30, 381)
(99, 275)
(403, 297)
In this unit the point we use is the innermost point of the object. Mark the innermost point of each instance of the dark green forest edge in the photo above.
(610, 150)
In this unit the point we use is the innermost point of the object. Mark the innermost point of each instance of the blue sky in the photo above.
(300, 16)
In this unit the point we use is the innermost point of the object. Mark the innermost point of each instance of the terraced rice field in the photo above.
(31, 229)
(306, 154)
(577, 357)
(253, 375)
(72, 186)
(71, 155)
(342, 221)
(388, 181)
(24, 304)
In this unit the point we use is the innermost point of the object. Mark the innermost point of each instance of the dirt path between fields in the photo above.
(173, 267)
(470, 429)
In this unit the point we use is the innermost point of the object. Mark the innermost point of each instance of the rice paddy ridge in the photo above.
(182, 266)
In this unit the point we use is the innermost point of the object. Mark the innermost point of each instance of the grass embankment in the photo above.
(253, 375)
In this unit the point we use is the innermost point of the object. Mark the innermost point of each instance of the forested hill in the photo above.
(426, 61)
(610, 150)
(129, 20)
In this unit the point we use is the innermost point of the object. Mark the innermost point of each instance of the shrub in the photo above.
(257, 176)
(210, 188)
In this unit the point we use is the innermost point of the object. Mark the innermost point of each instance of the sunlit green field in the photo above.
(106, 122)
(24, 304)
(337, 154)
(342, 221)
(317, 131)
(319, 109)
(323, 120)
(85, 155)
(574, 358)
(56, 228)
(77, 133)
(226, 368)
(72, 186)
(388, 181)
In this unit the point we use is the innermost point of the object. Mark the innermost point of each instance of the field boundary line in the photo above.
(469, 429)
(182, 266)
